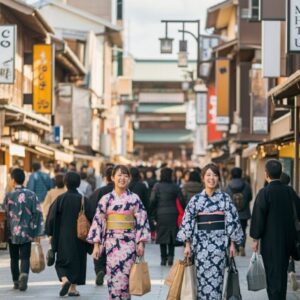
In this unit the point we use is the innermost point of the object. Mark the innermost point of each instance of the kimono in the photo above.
(24, 216)
(209, 247)
(120, 245)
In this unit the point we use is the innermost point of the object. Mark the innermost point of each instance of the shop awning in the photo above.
(88, 157)
(251, 150)
(28, 15)
(218, 16)
(289, 88)
(163, 136)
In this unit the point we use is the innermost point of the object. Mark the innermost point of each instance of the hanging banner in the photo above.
(222, 91)
(201, 108)
(7, 53)
(190, 120)
(42, 78)
(259, 101)
(293, 25)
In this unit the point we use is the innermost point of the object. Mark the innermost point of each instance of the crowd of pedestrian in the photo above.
(203, 210)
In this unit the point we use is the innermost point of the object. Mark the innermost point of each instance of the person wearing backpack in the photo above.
(241, 195)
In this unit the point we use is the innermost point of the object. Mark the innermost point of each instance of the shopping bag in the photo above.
(175, 288)
(37, 259)
(139, 278)
(232, 285)
(170, 277)
(256, 275)
(189, 282)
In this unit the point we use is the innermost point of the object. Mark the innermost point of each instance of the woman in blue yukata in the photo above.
(210, 223)
(120, 227)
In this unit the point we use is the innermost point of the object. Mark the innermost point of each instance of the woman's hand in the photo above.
(97, 251)
(187, 250)
(232, 250)
(140, 249)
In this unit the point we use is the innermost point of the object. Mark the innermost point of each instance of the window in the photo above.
(254, 6)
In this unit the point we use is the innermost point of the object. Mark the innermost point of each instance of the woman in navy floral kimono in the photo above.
(209, 224)
(121, 227)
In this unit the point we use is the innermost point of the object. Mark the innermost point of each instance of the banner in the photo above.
(259, 101)
(7, 53)
(201, 108)
(42, 78)
(222, 90)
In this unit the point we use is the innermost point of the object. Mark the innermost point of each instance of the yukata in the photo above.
(120, 244)
(209, 247)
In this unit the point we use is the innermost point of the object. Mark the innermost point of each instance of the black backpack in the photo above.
(238, 198)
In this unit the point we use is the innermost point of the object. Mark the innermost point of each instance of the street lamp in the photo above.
(166, 43)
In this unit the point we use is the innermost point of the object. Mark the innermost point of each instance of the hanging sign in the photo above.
(201, 108)
(7, 53)
(42, 78)
(293, 25)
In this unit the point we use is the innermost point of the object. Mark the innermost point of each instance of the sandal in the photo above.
(65, 288)
(74, 294)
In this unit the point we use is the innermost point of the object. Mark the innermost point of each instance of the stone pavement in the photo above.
(46, 286)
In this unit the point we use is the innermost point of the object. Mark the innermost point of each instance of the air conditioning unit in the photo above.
(245, 13)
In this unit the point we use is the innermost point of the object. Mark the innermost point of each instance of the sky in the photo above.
(143, 25)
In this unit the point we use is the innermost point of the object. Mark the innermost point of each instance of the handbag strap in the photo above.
(232, 265)
(82, 205)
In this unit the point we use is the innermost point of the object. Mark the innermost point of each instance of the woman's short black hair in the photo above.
(273, 168)
(166, 175)
(18, 175)
(122, 168)
(213, 168)
(194, 176)
(72, 180)
(59, 180)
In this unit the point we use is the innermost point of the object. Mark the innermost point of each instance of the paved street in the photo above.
(46, 286)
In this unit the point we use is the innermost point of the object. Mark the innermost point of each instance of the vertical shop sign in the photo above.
(7, 53)
(201, 108)
(222, 91)
(259, 102)
(43, 78)
(293, 26)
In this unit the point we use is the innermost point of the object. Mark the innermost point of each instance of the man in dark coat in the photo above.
(273, 224)
(61, 225)
(238, 188)
(100, 264)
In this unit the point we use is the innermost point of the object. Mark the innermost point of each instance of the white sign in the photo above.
(201, 108)
(7, 53)
(222, 120)
(190, 120)
(260, 124)
(293, 26)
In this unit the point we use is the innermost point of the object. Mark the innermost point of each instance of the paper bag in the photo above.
(139, 278)
(37, 259)
(175, 288)
(189, 283)
(170, 277)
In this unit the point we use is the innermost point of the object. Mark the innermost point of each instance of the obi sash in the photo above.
(120, 222)
(208, 221)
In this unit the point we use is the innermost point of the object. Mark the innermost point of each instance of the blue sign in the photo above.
(57, 134)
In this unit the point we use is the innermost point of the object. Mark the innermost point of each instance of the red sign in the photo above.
(213, 134)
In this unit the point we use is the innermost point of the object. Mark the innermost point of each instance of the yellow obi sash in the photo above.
(120, 222)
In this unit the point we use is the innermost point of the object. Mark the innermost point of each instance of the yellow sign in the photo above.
(42, 79)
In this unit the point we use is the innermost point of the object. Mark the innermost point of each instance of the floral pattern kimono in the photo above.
(120, 245)
(24, 216)
(209, 247)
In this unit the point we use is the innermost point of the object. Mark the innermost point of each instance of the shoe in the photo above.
(100, 278)
(16, 285)
(242, 251)
(293, 280)
(74, 294)
(163, 261)
(23, 279)
(64, 289)
(170, 261)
